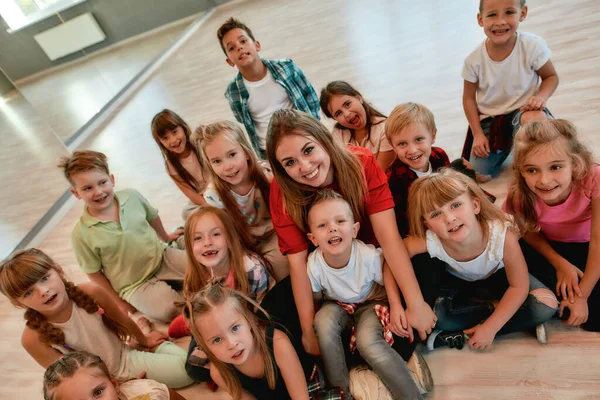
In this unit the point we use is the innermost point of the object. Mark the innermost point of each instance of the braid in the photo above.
(81, 299)
(48, 332)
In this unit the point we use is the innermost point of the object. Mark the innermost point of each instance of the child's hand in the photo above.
(481, 336)
(174, 235)
(567, 281)
(481, 146)
(422, 318)
(399, 324)
(153, 339)
(579, 311)
(310, 343)
(535, 103)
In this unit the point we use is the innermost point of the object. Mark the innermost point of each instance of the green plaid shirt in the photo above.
(288, 75)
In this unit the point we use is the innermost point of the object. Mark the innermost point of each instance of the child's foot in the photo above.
(540, 334)
(419, 371)
(439, 338)
(365, 384)
(144, 324)
(482, 178)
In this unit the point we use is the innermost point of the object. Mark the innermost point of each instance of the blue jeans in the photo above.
(496, 159)
(457, 311)
(330, 323)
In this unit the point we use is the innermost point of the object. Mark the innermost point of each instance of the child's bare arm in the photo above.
(385, 158)
(289, 364)
(481, 145)
(399, 323)
(518, 280)
(159, 228)
(175, 396)
(567, 275)
(549, 84)
(112, 309)
(190, 193)
(41, 352)
(415, 245)
(100, 279)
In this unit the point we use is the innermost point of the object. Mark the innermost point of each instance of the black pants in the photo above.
(576, 254)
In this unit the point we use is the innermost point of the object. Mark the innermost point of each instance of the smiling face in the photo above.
(226, 333)
(332, 227)
(87, 384)
(305, 160)
(47, 296)
(500, 20)
(413, 145)
(549, 174)
(455, 220)
(348, 111)
(228, 160)
(241, 50)
(174, 140)
(210, 245)
(95, 188)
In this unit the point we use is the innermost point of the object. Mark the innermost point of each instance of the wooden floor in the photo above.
(393, 51)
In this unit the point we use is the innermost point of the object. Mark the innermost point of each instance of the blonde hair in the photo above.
(66, 367)
(433, 191)
(552, 135)
(23, 269)
(216, 294)
(83, 161)
(328, 195)
(407, 114)
(348, 171)
(521, 3)
(238, 244)
(203, 136)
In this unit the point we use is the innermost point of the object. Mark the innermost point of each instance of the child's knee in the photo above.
(545, 296)
(531, 116)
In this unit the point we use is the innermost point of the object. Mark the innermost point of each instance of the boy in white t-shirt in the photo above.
(262, 86)
(501, 84)
(349, 274)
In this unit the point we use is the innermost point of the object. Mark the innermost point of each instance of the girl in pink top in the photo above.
(555, 198)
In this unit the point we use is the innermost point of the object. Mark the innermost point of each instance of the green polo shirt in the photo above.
(128, 253)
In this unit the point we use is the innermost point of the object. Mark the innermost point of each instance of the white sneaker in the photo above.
(365, 385)
(540, 334)
(419, 371)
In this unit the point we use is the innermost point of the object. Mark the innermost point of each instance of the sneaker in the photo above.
(419, 371)
(540, 334)
(438, 338)
(365, 385)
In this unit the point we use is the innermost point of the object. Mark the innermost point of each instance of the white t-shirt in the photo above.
(422, 174)
(482, 266)
(357, 282)
(377, 140)
(504, 86)
(143, 389)
(266, 97)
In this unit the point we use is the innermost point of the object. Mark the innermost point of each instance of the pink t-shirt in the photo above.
(570, 221)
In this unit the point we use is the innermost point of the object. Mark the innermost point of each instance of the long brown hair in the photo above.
(213, 295)
(340, 88)
(67, 366)
(348, 171)
(203, 136)
(23, 269)
(554, 135)
(238, 244)
(433, 191)
(164, 122)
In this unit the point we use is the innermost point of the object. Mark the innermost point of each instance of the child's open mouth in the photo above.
(500, 31)
(210, 253)
(455, 229)
(50, 300)
(415, 158)
(243, 55)
(547, 190)
(237, 355)
(233, 175)
(101, 199)
(355, 120)
(335, 240)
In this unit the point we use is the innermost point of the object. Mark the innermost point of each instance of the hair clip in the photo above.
(66, 346)
(100, 311)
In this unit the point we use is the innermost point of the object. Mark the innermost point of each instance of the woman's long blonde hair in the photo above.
(238, 244)
(556, 135)
(348, 171)
(23, 269)
(203, 136)
(216, 294)
(431, 192)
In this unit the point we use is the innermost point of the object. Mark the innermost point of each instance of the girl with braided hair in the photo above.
(62, 317)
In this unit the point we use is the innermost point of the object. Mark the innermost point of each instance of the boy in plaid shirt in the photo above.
(351, 276)
(262, 86)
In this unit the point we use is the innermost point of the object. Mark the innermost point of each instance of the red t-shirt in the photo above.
(292, 239)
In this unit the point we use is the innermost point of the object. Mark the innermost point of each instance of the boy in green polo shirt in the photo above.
(116, 240)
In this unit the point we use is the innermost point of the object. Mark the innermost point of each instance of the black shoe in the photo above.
(438, 338)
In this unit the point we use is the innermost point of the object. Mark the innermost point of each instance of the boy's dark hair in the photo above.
(229, 25)
(522, 3)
